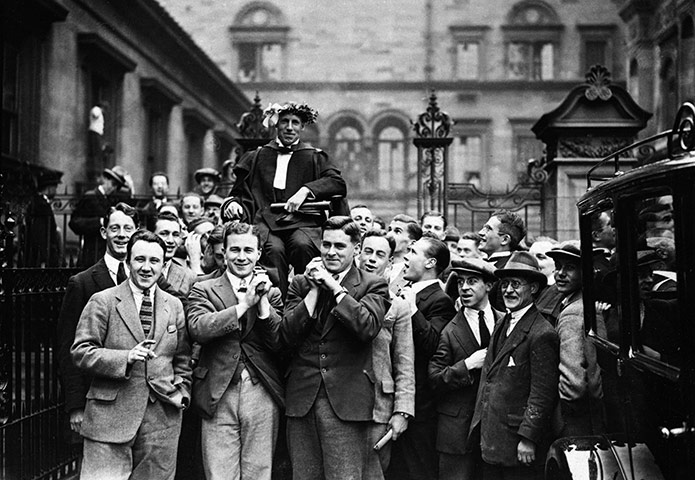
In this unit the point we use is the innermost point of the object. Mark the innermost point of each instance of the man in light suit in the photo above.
(237, 384)
(140, 368)
(519, 381)
(454, 369)
(392, 359)
(332, 314)
(430, 309)
(119, 223)
(289, 171)
(177, 276)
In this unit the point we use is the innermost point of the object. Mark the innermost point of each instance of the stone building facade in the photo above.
(368, 66)
(171, 108)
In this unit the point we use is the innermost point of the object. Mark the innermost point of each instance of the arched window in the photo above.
(686, 54)
(633, 85)
(669, 93)
(532, 36)
(347, 150)
(259, 37)
(394, 172)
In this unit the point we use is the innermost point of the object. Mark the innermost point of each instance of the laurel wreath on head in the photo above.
(272, 114)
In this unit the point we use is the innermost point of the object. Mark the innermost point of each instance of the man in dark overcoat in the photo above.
(289, 171)
(519, 381)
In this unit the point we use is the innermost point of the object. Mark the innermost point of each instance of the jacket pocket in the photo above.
(200, 372)
(388, 386)
(104, 393)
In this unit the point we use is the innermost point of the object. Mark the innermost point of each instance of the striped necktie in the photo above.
(146, 312)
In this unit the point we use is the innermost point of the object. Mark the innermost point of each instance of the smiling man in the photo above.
(132, 340)
(288, 171)
(519, 379)
(238, 387)
(118, 225)
(332, 314)
(430, 309)
(178, 276)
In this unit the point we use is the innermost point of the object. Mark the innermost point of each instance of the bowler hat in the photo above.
(115, 176)
(569, 250)
(475, 266)
(522, 264)
(201, 172)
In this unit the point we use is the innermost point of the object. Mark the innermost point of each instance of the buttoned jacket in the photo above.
(334, 347)
(455, 386)
(518, 389)
(109, 328)
(214, 324)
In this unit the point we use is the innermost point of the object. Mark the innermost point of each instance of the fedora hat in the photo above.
(201, 172)
(522, 264)
(115, 176)
(476, 266)
(569, 250)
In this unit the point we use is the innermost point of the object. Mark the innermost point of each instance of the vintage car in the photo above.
(639, 309)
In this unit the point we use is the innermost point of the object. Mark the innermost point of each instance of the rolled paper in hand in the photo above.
(383, 440)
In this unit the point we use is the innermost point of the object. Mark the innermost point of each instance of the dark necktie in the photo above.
(120, 275)
(284, 150)
(242, 286)
(502, 336)
(484, 332)
(146, 312)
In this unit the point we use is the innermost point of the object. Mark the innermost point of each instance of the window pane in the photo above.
(348, 157)
(517, 61)
(465, 160)
(392, 173)
(271, 59)
(594, 53)
(247, 62)
(467, 60)
(547, 60)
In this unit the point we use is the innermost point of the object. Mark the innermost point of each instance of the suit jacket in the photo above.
(456, 386)
(393, 363)
(309, 167)
(434, 310)
(335, 346)
(215, 325)
(80, 289)
(180, 278)
(518, 390)
(109, 328)
(86, 222)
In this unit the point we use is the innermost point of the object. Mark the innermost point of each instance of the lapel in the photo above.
(101, 276)
(424, 294)
(350, 282)
(222, 288)
(161, 313)
(175, 277)
(516, 337)
(129, 314)
(463, 333)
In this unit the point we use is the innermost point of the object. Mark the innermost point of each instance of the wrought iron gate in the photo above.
(33, 425)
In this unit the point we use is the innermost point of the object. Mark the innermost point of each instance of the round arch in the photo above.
(271, 15)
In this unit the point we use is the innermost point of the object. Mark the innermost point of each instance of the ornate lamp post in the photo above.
(250, 125)
(432, 142)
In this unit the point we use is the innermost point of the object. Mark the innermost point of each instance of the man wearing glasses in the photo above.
(519, 380)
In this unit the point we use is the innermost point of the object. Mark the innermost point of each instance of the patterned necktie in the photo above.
(120, 275)
(242, 286)
(146, 312)
(484, 332)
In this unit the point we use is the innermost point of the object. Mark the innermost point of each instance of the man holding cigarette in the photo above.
(332, 314)
(132, 340)
(237, 384)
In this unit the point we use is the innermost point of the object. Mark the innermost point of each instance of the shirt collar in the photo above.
(139, 291)
(280, 144)
(516, 315)
(506, 253)
(423, 284)
(236, 281)
(112, 264)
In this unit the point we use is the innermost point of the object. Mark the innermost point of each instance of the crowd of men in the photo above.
(359, 350)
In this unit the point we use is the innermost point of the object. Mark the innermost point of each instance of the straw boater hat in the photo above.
(115, 176)
(201, 172)
(569, 250)
(525, 265)
(475, 266)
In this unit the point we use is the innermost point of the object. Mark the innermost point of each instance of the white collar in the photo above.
(137, 291)
(112, 264)
(422, 284)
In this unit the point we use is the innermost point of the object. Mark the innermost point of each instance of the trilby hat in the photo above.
(522, 264)
(569, 250)
(115, 176)
(476, 266)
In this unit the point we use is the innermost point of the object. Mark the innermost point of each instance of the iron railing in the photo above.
(34, 433)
